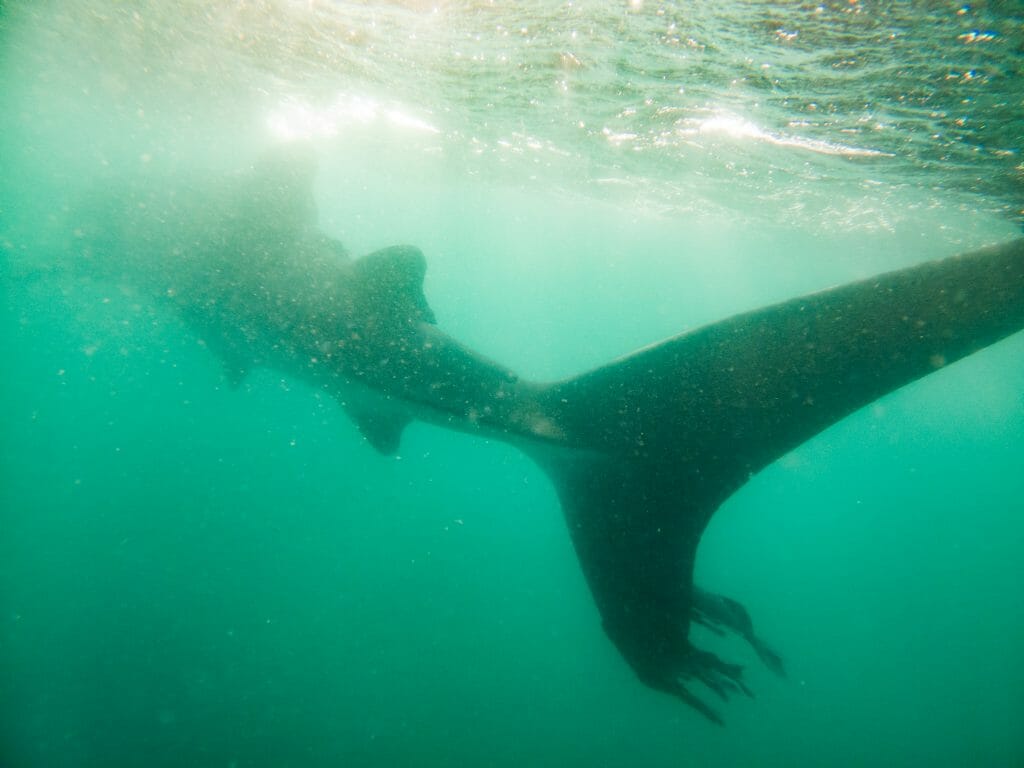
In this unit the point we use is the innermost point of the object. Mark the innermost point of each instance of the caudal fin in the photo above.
(665, 435)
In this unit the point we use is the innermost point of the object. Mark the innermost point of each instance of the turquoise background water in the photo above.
(196, 575)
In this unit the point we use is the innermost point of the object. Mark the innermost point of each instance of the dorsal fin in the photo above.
(382, 429)
(392, 280)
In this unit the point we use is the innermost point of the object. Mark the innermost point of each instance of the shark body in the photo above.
(641, 451)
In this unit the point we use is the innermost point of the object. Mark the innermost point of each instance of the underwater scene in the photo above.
(511, 384)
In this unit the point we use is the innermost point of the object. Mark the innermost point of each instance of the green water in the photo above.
(196, 575)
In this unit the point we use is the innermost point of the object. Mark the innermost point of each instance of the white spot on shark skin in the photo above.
(544, 427)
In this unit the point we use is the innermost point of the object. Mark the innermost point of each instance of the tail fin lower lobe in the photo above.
(671, 431)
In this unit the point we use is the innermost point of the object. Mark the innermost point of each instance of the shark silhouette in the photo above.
(641, 451)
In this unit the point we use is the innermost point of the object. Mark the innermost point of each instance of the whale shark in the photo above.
(641, 451)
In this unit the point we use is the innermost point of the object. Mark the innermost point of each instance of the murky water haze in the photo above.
(196, 574)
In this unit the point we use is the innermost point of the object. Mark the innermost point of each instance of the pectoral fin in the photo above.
(382, 429)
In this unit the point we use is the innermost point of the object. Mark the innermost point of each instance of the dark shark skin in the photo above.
(641, 451)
